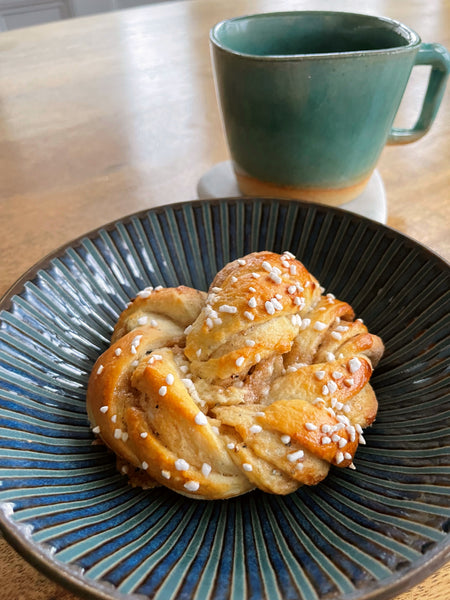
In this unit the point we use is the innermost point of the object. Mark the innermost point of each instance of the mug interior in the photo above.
(309, 33)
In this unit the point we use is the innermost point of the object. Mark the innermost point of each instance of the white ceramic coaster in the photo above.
(220, 182)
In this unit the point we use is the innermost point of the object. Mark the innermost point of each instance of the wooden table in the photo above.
(107, 115)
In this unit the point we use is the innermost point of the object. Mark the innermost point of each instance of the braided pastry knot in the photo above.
(263, 382)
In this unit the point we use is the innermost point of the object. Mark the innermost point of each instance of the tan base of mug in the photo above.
(250, 186)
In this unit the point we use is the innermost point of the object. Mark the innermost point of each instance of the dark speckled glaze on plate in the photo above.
(361, 534)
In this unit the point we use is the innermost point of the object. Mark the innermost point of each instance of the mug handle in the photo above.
(438, 58)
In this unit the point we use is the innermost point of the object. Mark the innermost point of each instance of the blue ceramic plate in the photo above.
(361, 534)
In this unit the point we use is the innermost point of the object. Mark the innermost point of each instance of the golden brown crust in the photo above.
(255, 296)
(263, 382)
(168, 310)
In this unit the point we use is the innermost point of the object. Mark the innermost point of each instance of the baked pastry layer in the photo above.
(263, 382)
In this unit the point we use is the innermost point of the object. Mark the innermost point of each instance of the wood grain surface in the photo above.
(107, 115)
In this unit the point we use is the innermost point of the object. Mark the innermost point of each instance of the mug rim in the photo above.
(403, 30)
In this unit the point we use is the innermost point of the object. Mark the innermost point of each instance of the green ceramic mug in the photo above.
(308, 98)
